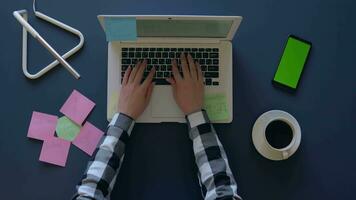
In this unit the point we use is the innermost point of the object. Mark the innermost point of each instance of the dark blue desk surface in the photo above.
(159, 163)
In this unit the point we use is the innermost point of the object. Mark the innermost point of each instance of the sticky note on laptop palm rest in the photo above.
(120, 29)
(55, 151)
(42, 126)
(113, 101)
(77, 107)
(216, 107)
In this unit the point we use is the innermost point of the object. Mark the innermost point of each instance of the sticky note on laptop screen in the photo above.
(120, 29)
(216, 107)
(292, 62)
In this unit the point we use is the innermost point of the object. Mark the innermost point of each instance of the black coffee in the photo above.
(279, 134)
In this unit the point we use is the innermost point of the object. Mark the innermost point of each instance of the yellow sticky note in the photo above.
(113, 101)
(216, 107)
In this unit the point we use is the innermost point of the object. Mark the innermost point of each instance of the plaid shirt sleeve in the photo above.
(100, 176)
(215, 176)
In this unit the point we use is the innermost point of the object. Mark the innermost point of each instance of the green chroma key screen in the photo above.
(292, 62)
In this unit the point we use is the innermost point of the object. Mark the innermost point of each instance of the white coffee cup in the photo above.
(259, 135)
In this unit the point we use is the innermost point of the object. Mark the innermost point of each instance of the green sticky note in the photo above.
(67, 129)
(216, 107)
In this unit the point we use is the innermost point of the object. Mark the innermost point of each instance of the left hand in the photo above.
(134, 96)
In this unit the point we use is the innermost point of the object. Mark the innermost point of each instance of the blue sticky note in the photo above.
(120, 29)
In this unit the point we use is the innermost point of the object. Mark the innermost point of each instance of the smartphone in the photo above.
(292, 62)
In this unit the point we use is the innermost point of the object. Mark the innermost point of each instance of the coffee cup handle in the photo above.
(285, 154)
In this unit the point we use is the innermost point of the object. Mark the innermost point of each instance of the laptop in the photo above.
(161, 39)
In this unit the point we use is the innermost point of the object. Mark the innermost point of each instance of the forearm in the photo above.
(100, 176)
(215, 175)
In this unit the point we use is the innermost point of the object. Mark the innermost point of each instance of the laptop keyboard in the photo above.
(161, 59)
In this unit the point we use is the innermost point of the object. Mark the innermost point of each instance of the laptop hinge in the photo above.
(176, 40)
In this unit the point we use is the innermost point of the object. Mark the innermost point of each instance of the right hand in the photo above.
(188, 91)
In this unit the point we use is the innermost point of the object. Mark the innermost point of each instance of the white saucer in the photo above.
(259, 136)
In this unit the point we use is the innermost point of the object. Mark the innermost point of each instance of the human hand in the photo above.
(134, 96)
(188, 91)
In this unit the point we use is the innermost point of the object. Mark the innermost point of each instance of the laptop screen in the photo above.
(183, 28)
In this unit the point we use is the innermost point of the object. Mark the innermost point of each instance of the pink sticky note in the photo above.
(77, 107)
(88, 138)
(55, 151)
(42, 126)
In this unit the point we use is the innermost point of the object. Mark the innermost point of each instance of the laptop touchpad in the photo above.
(163, 103)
